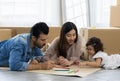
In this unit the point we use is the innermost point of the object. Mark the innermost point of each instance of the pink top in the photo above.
(73, 53)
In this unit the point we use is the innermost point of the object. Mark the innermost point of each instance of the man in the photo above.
(22, 52)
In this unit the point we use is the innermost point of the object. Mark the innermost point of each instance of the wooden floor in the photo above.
(102, 75)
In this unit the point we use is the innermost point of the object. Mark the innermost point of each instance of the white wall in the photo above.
(54, 10)
(48, 11)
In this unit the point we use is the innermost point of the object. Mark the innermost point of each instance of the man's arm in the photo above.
(41, 66)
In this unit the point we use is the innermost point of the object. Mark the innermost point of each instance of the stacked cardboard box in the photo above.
(115, 15)
(53, 32)
(118, 2)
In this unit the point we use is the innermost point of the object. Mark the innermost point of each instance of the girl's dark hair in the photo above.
(39, 28)
(66, 27)
(96, 43)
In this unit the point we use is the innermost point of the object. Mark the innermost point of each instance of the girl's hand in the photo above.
(84, 63)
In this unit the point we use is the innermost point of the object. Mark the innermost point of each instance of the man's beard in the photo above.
(42, 46)
(35, 43)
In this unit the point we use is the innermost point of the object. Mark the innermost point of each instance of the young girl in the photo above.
(98, 57)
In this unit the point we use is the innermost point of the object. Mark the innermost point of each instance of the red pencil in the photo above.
(75, 71)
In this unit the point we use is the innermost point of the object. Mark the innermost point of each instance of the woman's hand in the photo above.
(64, 62)
(76, 62)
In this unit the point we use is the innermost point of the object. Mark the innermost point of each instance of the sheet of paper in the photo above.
(69, 71)
(73, 71)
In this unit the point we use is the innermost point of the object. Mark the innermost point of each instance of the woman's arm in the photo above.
(52, 50)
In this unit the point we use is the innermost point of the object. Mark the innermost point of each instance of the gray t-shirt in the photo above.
(73, 53)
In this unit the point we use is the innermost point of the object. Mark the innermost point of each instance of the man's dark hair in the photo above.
(39, 28)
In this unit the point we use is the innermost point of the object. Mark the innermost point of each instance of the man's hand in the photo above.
(34, 61)
(40, 66)
(47, 65)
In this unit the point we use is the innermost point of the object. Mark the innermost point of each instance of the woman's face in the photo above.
(71, 36)
(90, 50)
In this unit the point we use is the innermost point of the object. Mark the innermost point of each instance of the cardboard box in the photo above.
(115, 16)
(118, 2)
(53, 32)
(109, 37)
(5, 34)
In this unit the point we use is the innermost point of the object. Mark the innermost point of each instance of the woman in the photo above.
(65, 49)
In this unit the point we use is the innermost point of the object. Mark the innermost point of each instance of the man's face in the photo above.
(41, 41)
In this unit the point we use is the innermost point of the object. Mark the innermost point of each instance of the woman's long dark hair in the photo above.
(68, 26)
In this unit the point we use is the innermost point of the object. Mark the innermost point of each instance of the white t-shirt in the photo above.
(108, 61)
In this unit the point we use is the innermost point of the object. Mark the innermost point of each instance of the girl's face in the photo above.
(71, 36)
(90, 50)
